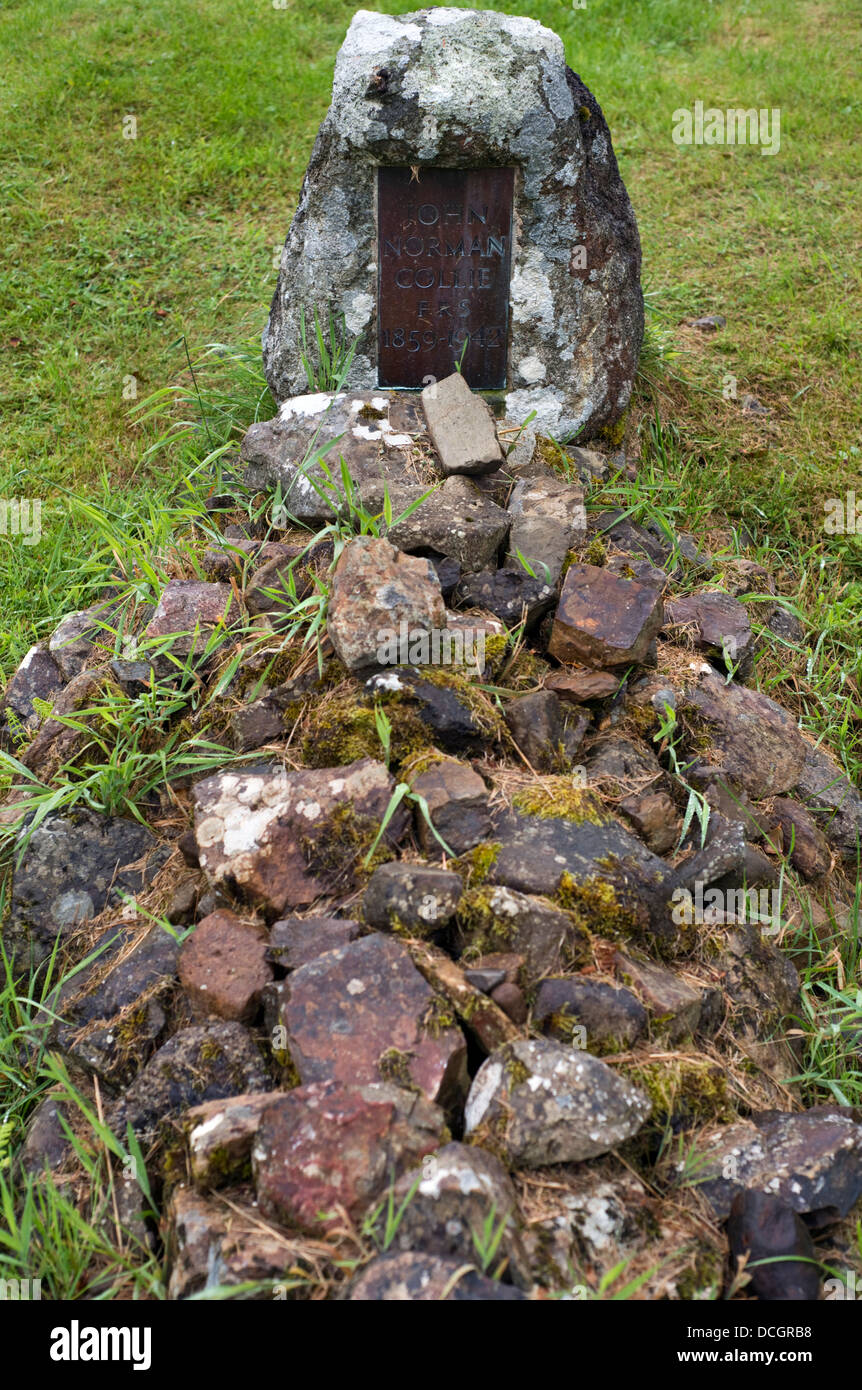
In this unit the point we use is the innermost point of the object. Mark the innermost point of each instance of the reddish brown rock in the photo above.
(574, 685)
(457, 801)
(189, 613)
(803, 839)
(673, 1005)
(278, 581)
(654, 817)
(375, 589)
(510, 998)
(284, 838)
(223, 967)
(484, 1020)
(364, 1013)
(603, 620)
(757, 742)
(296, 940)
(718, 625)
(510, 963)
(230, 558)
(325, 1152)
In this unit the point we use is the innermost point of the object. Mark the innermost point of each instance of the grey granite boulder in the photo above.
(470, 89)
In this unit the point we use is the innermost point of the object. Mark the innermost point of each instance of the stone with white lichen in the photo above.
(279, 839)
(539, 1102)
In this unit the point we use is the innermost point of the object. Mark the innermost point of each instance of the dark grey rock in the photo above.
(74, 866)
(759, 980)
(415, 1277)
(548, 519)
(47, 1144)
(82, 638)
(757, 742)
(786, 626)
(546, 936)
(512, 595)
(37, 678)
(459, 1191)
(451, 723)
(766, 1234)
(612, 1017)
(113, 1012)
(536, 851)
(825, 789)
(812, 1162)
(208, 1062)
(536, 724)
(484, 979)
(416, 899)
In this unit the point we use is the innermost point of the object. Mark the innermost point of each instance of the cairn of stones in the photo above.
(492, 898)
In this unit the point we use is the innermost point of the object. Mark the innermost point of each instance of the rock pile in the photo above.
(444, 929)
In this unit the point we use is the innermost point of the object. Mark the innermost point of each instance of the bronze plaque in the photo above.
(445, 250)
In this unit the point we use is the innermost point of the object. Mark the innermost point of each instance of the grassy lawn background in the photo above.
(113, 249)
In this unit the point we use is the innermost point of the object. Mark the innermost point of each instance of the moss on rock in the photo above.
(558, 798)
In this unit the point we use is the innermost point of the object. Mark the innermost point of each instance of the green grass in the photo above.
(117, 254)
